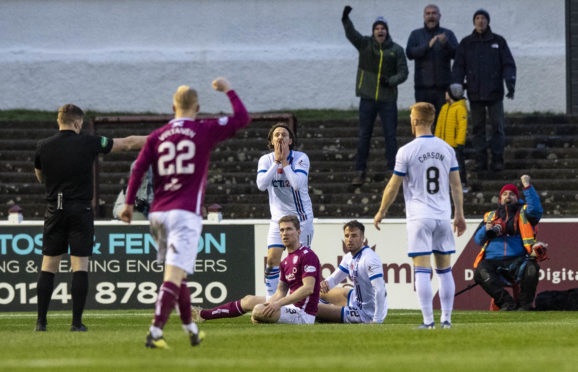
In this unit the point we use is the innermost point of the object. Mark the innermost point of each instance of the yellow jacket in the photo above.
(452, 123)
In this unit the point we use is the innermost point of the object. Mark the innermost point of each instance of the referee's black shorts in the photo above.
(72, 226)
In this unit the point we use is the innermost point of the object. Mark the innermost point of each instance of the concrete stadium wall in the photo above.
(130, 55)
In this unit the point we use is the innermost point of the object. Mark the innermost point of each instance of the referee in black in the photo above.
(64, 164)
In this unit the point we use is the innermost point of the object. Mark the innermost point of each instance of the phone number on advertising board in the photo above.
(110, 293)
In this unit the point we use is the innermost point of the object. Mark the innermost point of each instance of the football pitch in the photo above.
(479, 341)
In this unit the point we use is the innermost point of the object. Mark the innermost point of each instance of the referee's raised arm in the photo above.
(128, 143)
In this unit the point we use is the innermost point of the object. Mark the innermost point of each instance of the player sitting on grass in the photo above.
(299, 275)
(367, 301)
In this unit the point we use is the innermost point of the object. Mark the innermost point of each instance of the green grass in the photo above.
(479, 341)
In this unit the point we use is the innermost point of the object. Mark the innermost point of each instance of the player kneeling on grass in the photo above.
(297, 295)
(367, 301)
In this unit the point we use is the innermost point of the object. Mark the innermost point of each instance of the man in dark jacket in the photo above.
(484, 60)
(381, 68)
(432, 47)
(507, 236)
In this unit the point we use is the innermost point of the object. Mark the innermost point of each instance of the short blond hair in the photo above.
(185, 98)
(68, 113)
(424, 113)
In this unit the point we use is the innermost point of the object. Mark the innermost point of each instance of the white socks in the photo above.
(271, 280)
(191, 327)
(424, 292)
(447, 292)
(156, 332)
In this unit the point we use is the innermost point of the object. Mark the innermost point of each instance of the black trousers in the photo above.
(494, 275)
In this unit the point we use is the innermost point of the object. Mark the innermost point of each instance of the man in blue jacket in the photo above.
(507, 236)
(484, 60)
(432, 47)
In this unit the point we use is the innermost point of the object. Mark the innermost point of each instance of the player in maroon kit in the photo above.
(179, 155)
(300, 276)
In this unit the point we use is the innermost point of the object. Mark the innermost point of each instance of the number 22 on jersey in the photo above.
(176, 158)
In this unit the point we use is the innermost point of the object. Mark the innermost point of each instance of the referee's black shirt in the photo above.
(66, 161)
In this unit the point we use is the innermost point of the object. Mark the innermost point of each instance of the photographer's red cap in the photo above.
(509, 187)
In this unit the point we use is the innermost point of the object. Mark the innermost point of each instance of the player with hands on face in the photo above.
(284, 173)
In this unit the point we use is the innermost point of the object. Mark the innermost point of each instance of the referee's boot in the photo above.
(80, 328)
(40, 326)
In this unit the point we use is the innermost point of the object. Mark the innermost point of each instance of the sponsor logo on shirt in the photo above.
(223, 120)
(309, 269)
(103, 142)
(495, 46)
(173, 186)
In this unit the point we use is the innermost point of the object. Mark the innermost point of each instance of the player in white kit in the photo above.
(179, 155)
(366, 302)
(284, 173)
(428, 168)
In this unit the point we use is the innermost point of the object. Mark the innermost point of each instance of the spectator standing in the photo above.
(381, 68)
(452, 125)
(483, 62)
(433, 48)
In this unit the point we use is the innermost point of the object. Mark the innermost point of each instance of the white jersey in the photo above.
(366, 272)
(288, 187)
(426, 163)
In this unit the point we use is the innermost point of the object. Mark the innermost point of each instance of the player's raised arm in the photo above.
(229, 125)
(128, 143)
(221, 84)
